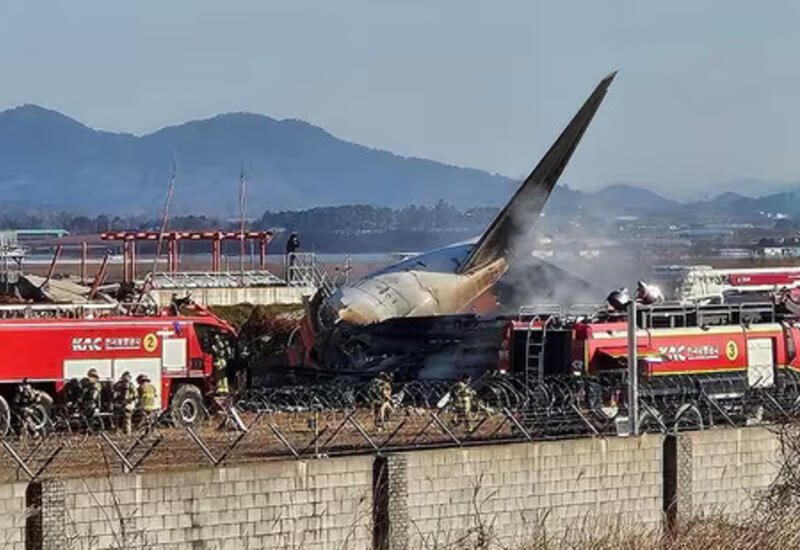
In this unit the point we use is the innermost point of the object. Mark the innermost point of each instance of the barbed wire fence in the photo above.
(317, 421)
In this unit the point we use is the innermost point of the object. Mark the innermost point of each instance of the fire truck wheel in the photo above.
(39, 417)
(5, 417)
(187, 406)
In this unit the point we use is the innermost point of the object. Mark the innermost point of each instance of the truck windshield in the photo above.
(206, 333)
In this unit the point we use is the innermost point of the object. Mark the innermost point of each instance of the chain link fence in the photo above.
(336, 418)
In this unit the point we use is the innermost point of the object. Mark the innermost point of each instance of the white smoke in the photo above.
(584, 261)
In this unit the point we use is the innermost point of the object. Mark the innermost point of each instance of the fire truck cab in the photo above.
(175, 352)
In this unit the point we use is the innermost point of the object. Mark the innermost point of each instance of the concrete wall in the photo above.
(287, 504)
(232, 296)
(725, 470)
(12, 516)
(402, 500)
(524, 489)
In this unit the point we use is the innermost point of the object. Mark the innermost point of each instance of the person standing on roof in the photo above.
(292, 246)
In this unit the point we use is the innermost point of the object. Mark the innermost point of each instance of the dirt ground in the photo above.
(277, 436)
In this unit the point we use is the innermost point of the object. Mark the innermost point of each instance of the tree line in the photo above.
(345, 219)
(367, 228)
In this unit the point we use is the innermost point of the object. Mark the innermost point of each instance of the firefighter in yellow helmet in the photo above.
(148, 399)
(463, 399)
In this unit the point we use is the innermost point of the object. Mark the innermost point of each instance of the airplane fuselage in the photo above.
(422, 285)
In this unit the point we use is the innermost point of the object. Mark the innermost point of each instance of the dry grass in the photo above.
(708, 533)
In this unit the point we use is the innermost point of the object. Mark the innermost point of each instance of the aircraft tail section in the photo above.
(522, 211)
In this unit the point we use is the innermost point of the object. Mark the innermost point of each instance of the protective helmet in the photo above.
(141, 378)
(92, 374)
(126, 375)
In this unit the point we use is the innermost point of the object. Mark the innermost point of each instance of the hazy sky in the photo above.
(707, 91)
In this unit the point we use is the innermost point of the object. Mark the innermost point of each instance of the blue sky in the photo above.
(707, 91)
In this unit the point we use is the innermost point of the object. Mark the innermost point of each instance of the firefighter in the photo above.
(463, 397)
(25, 394)
(147, 398)
(221, 353)
(381, 393)
(125, 397)
(26, 401)
(92, 393)
(73, 396)
(292, 244)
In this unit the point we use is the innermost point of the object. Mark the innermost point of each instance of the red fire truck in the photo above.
(175, 352)
(748, 344)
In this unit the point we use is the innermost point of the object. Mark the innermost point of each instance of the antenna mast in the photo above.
(164, 218)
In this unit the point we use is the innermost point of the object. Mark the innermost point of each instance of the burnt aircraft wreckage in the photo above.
(374, 323)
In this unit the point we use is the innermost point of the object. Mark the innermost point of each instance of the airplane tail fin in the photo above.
(522, 211)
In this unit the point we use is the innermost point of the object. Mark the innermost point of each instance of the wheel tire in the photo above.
(40, 418)
(5, 417)
(187, 407)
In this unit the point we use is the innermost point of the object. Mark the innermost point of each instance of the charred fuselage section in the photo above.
(433, 347)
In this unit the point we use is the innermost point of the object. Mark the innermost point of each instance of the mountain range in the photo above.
(51, 161)
(48, 160)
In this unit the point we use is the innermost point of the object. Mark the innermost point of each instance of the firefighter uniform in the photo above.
(221, 353)
(32, 406)
(25, 399)
(381, 396)
(463, 397)
(92, 392)
(125, 397)
(148, 398)
(25, 396)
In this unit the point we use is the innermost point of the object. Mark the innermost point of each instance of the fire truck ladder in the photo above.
(72, 311)
(683, 315)
(536, 337)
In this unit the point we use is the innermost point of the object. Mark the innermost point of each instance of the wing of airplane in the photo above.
(522, 211)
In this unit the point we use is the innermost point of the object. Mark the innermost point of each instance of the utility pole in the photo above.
(633, 369)
(242, 216)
